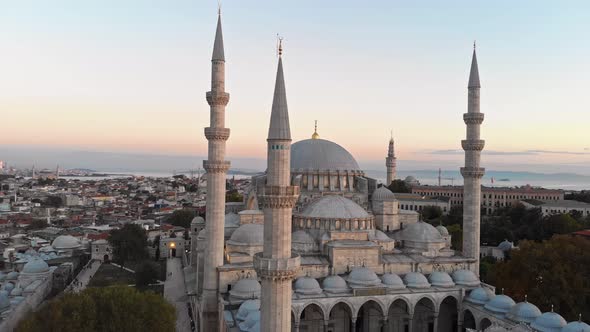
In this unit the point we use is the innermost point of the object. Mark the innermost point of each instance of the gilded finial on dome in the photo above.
(315, 131)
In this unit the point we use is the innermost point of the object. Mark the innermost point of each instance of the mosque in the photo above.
(319, 246)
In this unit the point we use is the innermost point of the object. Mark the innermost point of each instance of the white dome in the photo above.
(416, 280)
(465, 278)
(251, 320)
(549, 322)
(334, 207)
(420, 232)
(12, 275)
(320, 154)
(8, 287)
(500, 305)
(410, 178)
(362, 276)
(577, 326)
(442, 230)
(335, 284)
(480, 296)
(198, 220)
(440, 279)
(248, 234)
(307, 286)
(383, 194)
(246, 307)
(35, 266)
(393, 281)
(524, 312)
(246, 289)
(506, 245)
(302, 237)
(65, 242)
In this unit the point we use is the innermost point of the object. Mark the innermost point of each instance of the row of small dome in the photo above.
(523, 312)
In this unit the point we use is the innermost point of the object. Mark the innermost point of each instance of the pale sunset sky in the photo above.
(131, 76)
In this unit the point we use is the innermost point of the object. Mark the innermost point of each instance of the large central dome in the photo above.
(320, 154)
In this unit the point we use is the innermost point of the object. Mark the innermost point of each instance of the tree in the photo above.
(399, 186)
(455, 216)
(129, 243)
(53, 201)
(456, 233)
(431, 212)
(234, 196)
(551, 272)
(561, 224)
(117, 308)
(147, 273)
(181, 218)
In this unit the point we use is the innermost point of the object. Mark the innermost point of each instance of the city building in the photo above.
(558, 207)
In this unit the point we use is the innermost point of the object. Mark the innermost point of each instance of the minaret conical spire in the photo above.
(279, 118)
(218, 54)
(474, 73)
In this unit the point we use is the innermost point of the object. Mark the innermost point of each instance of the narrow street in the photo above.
(175, 293)
(83, 278)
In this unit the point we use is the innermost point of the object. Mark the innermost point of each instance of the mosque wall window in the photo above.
(316, 181)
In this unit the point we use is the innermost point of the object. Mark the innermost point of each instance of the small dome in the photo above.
(442, 230)
(480, 296)
(335, 284)
(17, 291)
(248, 234)
(416, 280)
(410, 179)
(420, 232)
(334, 207)
(576, 326)
(307, 286)
(251, 320)
(382, 194)
(12, 275)
(246, 289)
(392, 281)
(363, 277)
(232, 219)
(465, 278)
(302, 237)
(246, 307)
(65, 242)
(524, 312)
(440, 279)
(35, 266)
(8, 287)
(321, 154)
(506, 245)
(255, 328)
(549, 322)
(500, 304)
(379, 236)
(198, 220)
(4, 302)
(202, 234)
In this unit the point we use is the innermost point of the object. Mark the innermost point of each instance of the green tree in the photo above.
(181, 218)
(551, 272)
(399, 186)
(431, 212)
(234, 196)
(146, 273)
(456, 233)
(561, 224)
(129, 243)
(108, 309)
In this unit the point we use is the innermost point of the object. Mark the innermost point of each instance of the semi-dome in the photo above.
(334, 207)
(480, 296)
(382, 194)
(335, 284)
(35, 266)
(65, 242)
(577, 326)
(12, 275)
(465, 278)
(307, 286)
(420, 232)
(442, 230)
(392, 281)
(246, 307)
(416, 280)
(440, 279)
(549, 322)
(506, 245)
(363, 277)
(321, 154)
(302, 237)
(524, 312)
(248, 234)
(500, 304)
(246, 288)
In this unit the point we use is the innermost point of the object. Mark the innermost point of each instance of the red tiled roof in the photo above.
(585, 232)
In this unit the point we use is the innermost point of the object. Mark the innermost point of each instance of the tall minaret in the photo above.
(275, 266)
(216, 168)
(390, 162)
(472, 173)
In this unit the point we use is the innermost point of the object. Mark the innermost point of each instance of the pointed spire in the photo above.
(474, 74)
(391, 139)
(315, 134)
(279, 117)
(218, 53)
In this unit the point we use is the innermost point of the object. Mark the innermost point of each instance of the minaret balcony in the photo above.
(473, 118)
(217, 98)
(473, 145)
(220, 134)
(277, 268)
(473, 172)
(278, 197)
(212, 166)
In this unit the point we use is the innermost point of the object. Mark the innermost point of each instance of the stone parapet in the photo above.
(221, 134)
(277, 268)
(473, 144)
(280, 196)
(217, 98)
(216, 166)
(472, 172)
(473, 118)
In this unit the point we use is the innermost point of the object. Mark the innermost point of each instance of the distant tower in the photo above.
(390, 162)
(216, 167)
(33, 172)
(57, 172)
(472, 173)
(275, 266)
